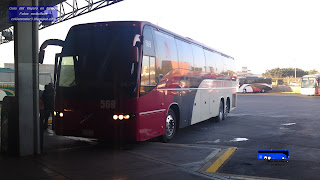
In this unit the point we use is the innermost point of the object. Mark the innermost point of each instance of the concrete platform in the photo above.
(82, 158)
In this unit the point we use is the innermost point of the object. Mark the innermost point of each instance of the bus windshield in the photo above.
(96, 62)
(308, 82)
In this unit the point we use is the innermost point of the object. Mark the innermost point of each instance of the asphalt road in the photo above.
(267, 121)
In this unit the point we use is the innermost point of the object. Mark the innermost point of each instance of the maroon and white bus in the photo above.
(137, 81)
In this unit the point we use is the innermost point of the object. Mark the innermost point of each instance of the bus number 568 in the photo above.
(107, 104)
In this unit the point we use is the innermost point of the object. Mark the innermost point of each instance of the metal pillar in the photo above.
(27, 82)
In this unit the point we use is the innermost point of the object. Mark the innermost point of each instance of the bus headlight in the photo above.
(54, 113)
(61, 114)
(122, 116)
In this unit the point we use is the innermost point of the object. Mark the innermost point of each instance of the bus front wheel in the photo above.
(170, 126)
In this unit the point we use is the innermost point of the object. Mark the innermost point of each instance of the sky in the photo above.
(259, 34)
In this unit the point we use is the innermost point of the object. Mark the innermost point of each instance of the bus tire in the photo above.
(171, 127)
(219, 118)
(226, 110)
(244, 91)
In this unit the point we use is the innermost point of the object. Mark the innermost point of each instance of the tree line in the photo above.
(287, 72)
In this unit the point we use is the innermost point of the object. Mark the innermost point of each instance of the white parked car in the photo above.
(294, 84)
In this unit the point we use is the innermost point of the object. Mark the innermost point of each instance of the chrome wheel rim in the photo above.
(170, 125)
(220, 115)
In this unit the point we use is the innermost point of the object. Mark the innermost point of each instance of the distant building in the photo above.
(43, 68)
(244, 73)
(244, 69)
(7, 75)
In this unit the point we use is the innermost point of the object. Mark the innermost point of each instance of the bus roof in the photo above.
(254, 77)
(312, 75)
(142, 24)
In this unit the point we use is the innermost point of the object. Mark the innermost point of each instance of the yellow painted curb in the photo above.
(216, 165)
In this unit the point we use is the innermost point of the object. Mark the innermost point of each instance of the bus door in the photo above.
(56, 65)
(151, 101)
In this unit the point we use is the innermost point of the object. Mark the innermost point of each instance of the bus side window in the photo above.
(185, 55)
(148, 75)
(152, 62)
(199, 58)
(211, 66)
(167, 57)
(218, 62)
(148, 69)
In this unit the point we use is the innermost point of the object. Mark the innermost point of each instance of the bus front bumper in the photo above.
(308, 91)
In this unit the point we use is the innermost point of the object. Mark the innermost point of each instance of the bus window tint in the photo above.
(152, 71)
(211, 65)
(166, 53)
(228, 66)
(225, 64)
(148, 45)
(232, 67)
(67, 75)
(199, 59)
(219, 63)
(185, 55)
(148, 75)
(145, 71)
(149, 60)
(103, 62)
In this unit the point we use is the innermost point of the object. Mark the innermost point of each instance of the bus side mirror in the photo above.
(56, 42)
(137, 40)
(41, 56)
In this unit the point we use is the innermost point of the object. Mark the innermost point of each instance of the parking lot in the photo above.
(266, 121)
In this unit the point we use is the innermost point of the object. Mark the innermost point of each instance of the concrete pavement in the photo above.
(81, 158)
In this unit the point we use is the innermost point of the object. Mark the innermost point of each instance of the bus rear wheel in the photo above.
(244, 91)
(220, 116)
(226, 110)
(171, 128)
